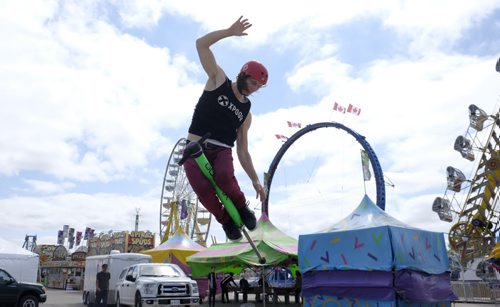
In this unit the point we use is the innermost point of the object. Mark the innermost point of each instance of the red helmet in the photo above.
(255, 70)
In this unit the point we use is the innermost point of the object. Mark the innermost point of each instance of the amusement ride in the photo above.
(179, 205)
(476, 219)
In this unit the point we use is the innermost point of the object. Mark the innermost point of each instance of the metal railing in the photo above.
(477, 291)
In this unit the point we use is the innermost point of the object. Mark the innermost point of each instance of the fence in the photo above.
(477, 291)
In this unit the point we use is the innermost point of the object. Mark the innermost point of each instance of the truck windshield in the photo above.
(163, 270)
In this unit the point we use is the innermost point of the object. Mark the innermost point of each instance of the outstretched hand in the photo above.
(261, 192)
(239, 27)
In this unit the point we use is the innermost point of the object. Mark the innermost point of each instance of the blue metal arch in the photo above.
(377, 169)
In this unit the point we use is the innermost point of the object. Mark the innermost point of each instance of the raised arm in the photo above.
(216, 75)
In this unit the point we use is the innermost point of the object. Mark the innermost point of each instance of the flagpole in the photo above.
(364, 184)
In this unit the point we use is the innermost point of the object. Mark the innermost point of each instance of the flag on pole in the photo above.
(71, 237)
(365, 162)
(86, 235)
(60, 237)
(65, 231)
(184, 209)
(78, 238)
(294, 125)
(281, 137)
(71, 233)
(339, 108)
(354, 110)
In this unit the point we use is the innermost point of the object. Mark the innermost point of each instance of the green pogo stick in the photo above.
(195, 150)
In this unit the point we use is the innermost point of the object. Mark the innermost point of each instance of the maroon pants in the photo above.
(221, 160)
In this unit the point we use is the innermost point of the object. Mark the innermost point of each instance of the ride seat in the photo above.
(464, 147)
(442, 207)
(455, 178)
(477, 117)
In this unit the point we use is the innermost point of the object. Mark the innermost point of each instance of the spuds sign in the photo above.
(139, 241)
(123, 241)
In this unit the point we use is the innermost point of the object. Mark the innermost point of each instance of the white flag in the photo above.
(365, 162)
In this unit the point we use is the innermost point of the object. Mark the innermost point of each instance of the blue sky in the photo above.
(95, 94)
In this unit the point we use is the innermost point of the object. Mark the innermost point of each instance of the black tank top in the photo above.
(220, 113)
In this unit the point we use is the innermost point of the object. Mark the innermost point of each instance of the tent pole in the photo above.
(263, 286)
(262, 260)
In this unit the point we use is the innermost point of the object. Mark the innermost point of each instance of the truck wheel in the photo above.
(138, 302)
(28, 301)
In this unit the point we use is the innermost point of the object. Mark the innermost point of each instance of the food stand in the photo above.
(58, 270)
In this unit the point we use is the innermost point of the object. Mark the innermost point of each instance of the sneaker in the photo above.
(248, 218)
(232, 231)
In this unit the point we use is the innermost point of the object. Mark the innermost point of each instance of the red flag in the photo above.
(292, 124)
(281, 137)
(338, 107)
(354, 110)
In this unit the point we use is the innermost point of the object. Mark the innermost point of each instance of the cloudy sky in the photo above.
(95, 94)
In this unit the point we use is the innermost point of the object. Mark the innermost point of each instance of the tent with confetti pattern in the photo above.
(273, 244)
(371, 258)
(175, 250)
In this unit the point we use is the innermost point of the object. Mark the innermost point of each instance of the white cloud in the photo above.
(429, 24)
(83, 101)
(322, 76)
(140, 13)
(445, 22)
(87, 85)
(412, 112)
(48, 187)
(100, 211)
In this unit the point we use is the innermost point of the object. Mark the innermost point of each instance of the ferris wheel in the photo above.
(179, 205)
(476, 220)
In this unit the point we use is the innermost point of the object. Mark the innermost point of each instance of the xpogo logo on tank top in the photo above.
(224, 102)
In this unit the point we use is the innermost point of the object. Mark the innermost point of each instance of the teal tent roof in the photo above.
(366, 215)
(370, 239)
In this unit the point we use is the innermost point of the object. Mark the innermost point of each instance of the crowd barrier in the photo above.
(477, 291)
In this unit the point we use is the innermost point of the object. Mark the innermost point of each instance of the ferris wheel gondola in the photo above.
(477, 218)
(179, 205)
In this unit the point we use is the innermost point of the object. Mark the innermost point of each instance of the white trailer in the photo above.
(116, 263)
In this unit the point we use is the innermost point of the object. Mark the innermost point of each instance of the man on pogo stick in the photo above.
(223, 110)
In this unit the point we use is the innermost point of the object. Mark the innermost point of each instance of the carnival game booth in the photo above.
(176, 250)
(372, 259)
(59, 269)
(19, 262)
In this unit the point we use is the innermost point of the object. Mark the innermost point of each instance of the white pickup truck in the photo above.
(156, 284)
